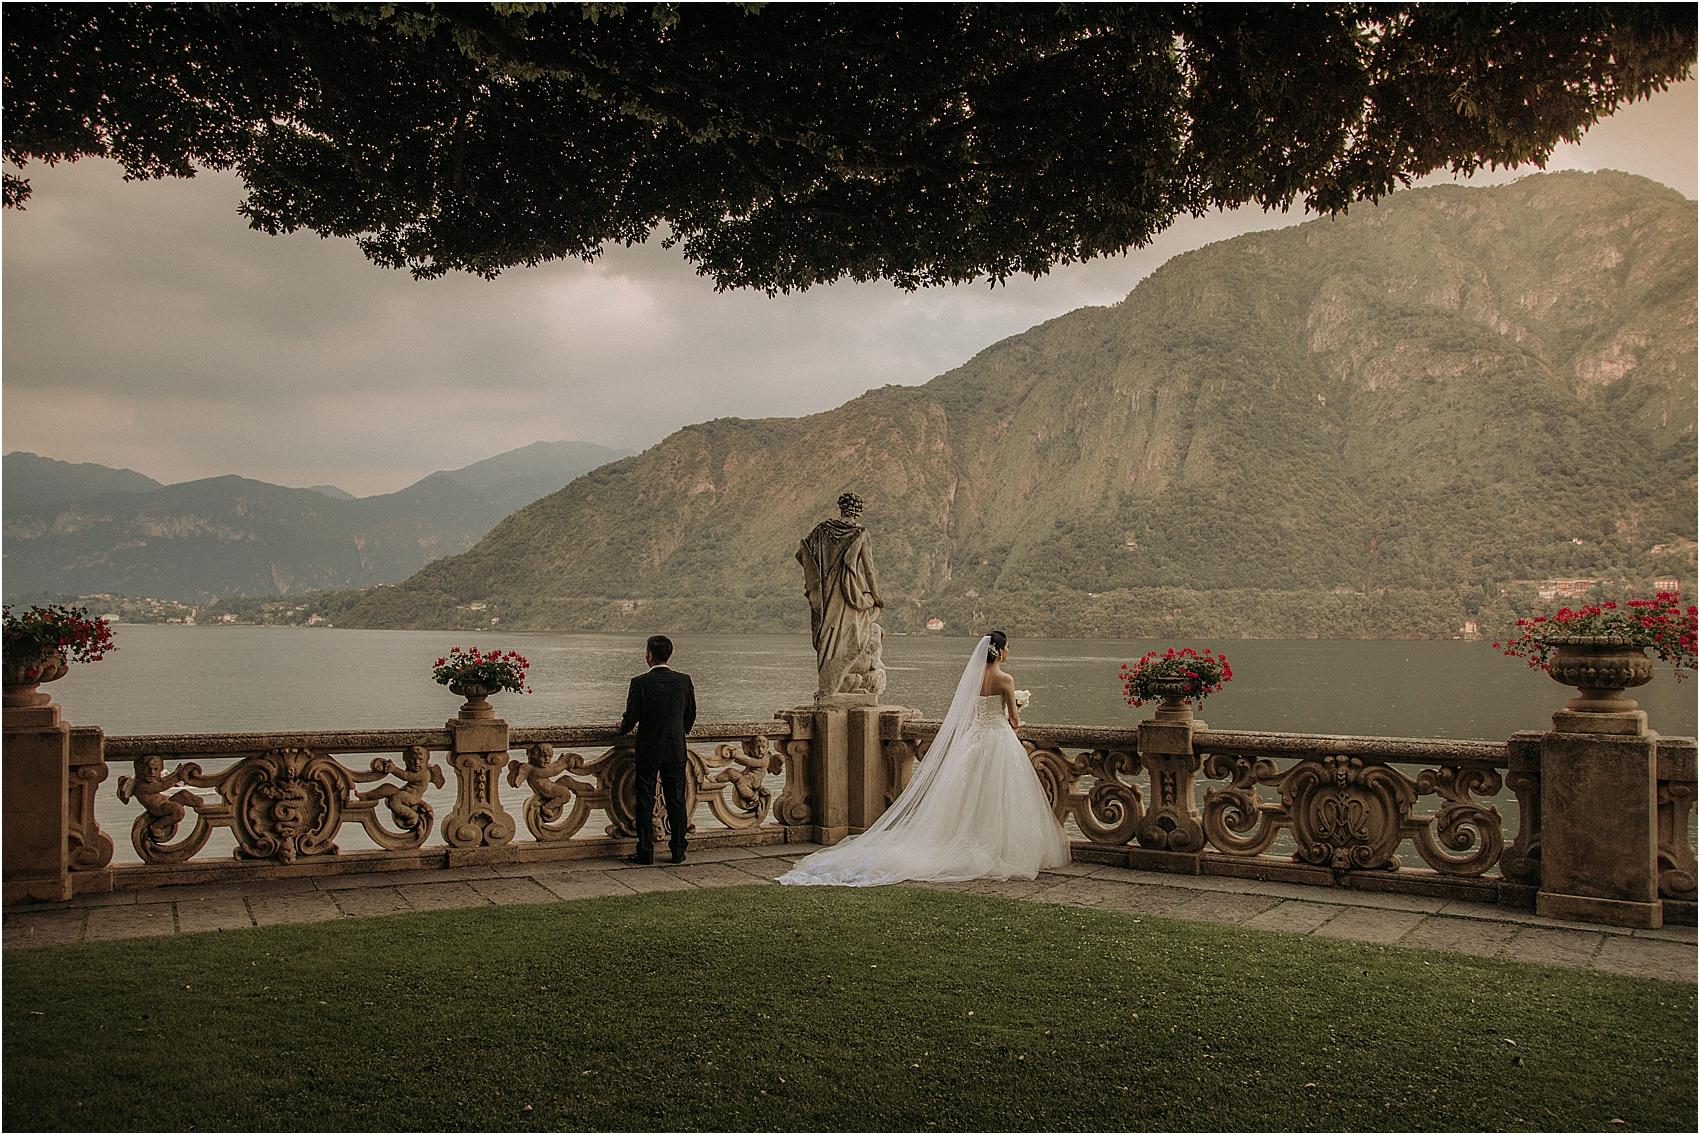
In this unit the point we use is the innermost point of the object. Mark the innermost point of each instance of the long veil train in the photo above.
(974, 809)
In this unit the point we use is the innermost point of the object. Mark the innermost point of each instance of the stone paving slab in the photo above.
(713, 875)
(1645, 957)
(1293, 916)
(1368, 924)
(645, 880)
(197, 915)
(366, 902)
(400, 878)
(506, 891)
(766, 869)
(1331, 912)
(275, 910)
(48, 928)
(152, 920)
(1345, 896)
(1460, 936)
(1218, 906)
(1486, 912)
(1551, 946)
(1011, 888)
(441, 896)
(583, 886)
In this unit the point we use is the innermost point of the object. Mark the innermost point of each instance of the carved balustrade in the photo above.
(288, 800)
(1452, 817)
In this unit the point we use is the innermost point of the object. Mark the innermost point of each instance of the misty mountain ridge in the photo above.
(235, 536)
(1380, 425)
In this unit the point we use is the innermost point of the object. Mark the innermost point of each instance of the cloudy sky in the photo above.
(146, 326)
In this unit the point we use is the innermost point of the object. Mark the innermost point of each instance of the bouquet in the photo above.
(498, 670)
(42, 632)
(1185, 672)
(1660, 623)
(1022, 697)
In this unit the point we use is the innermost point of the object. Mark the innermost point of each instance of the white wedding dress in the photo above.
(974, 809)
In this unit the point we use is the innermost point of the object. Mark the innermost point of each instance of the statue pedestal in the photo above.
(856, 768)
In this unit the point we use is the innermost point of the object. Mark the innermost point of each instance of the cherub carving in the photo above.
(544, 773)
(745, 767)
(407, 800)
(149, 788)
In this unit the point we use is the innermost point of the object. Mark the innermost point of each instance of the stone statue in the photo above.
(844, 606)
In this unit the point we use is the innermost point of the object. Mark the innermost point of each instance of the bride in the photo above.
(974, 809)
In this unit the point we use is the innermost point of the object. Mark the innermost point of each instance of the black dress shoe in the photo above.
(678, 857)
(637, 859)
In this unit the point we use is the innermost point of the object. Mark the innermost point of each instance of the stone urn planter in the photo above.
(20, 679)
(1601, 667)
(1173, 692)
(477, 695)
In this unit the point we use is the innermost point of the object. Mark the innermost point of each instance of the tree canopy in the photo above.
(781, 146)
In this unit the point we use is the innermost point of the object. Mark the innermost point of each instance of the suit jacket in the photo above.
(662, 705)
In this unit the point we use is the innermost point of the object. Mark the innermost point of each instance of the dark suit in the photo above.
(662, 705)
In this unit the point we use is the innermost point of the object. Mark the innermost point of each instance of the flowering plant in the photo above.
(499, 670)
(1022, 697)
(1154, 676)
(1661, 623)
(41, 632)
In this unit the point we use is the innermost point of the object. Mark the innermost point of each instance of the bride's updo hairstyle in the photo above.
(999, 641)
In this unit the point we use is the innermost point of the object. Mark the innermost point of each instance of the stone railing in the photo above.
(1593, 820)
(204, 806)
(1455, 819)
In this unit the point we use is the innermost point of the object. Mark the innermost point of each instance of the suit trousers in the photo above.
(672, 777)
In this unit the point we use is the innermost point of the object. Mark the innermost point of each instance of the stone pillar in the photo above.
(36, 782)
(874, 779)
(829, 761)
(1599, 820)
(1172, 822)
(479, 755)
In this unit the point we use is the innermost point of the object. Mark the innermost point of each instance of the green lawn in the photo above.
(775, 1008)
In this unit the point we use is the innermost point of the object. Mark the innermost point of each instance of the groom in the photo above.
(663, 706)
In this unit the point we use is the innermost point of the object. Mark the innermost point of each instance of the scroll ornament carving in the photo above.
(88, 848)
(900, 754)
(1057, 776)
(1236, 819)
(1346, 813)
(796, 803)
(478, 818)
(1676, 853)
(1172, 824)
(1462, 837)
(1113, 811)
(284, 804)
(1521, 862)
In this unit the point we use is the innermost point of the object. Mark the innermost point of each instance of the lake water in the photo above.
(170, 679)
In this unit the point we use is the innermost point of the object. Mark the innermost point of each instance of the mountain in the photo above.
(331, 491)
(27, 481)
(232, 536)
(514, 479)
(1374, 425)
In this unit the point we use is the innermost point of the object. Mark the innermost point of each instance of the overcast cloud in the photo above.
(146, 326)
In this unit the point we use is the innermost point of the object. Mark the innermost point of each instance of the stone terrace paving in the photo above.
(1328, 912)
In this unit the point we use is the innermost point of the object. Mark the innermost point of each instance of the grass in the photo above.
(773, 1008)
